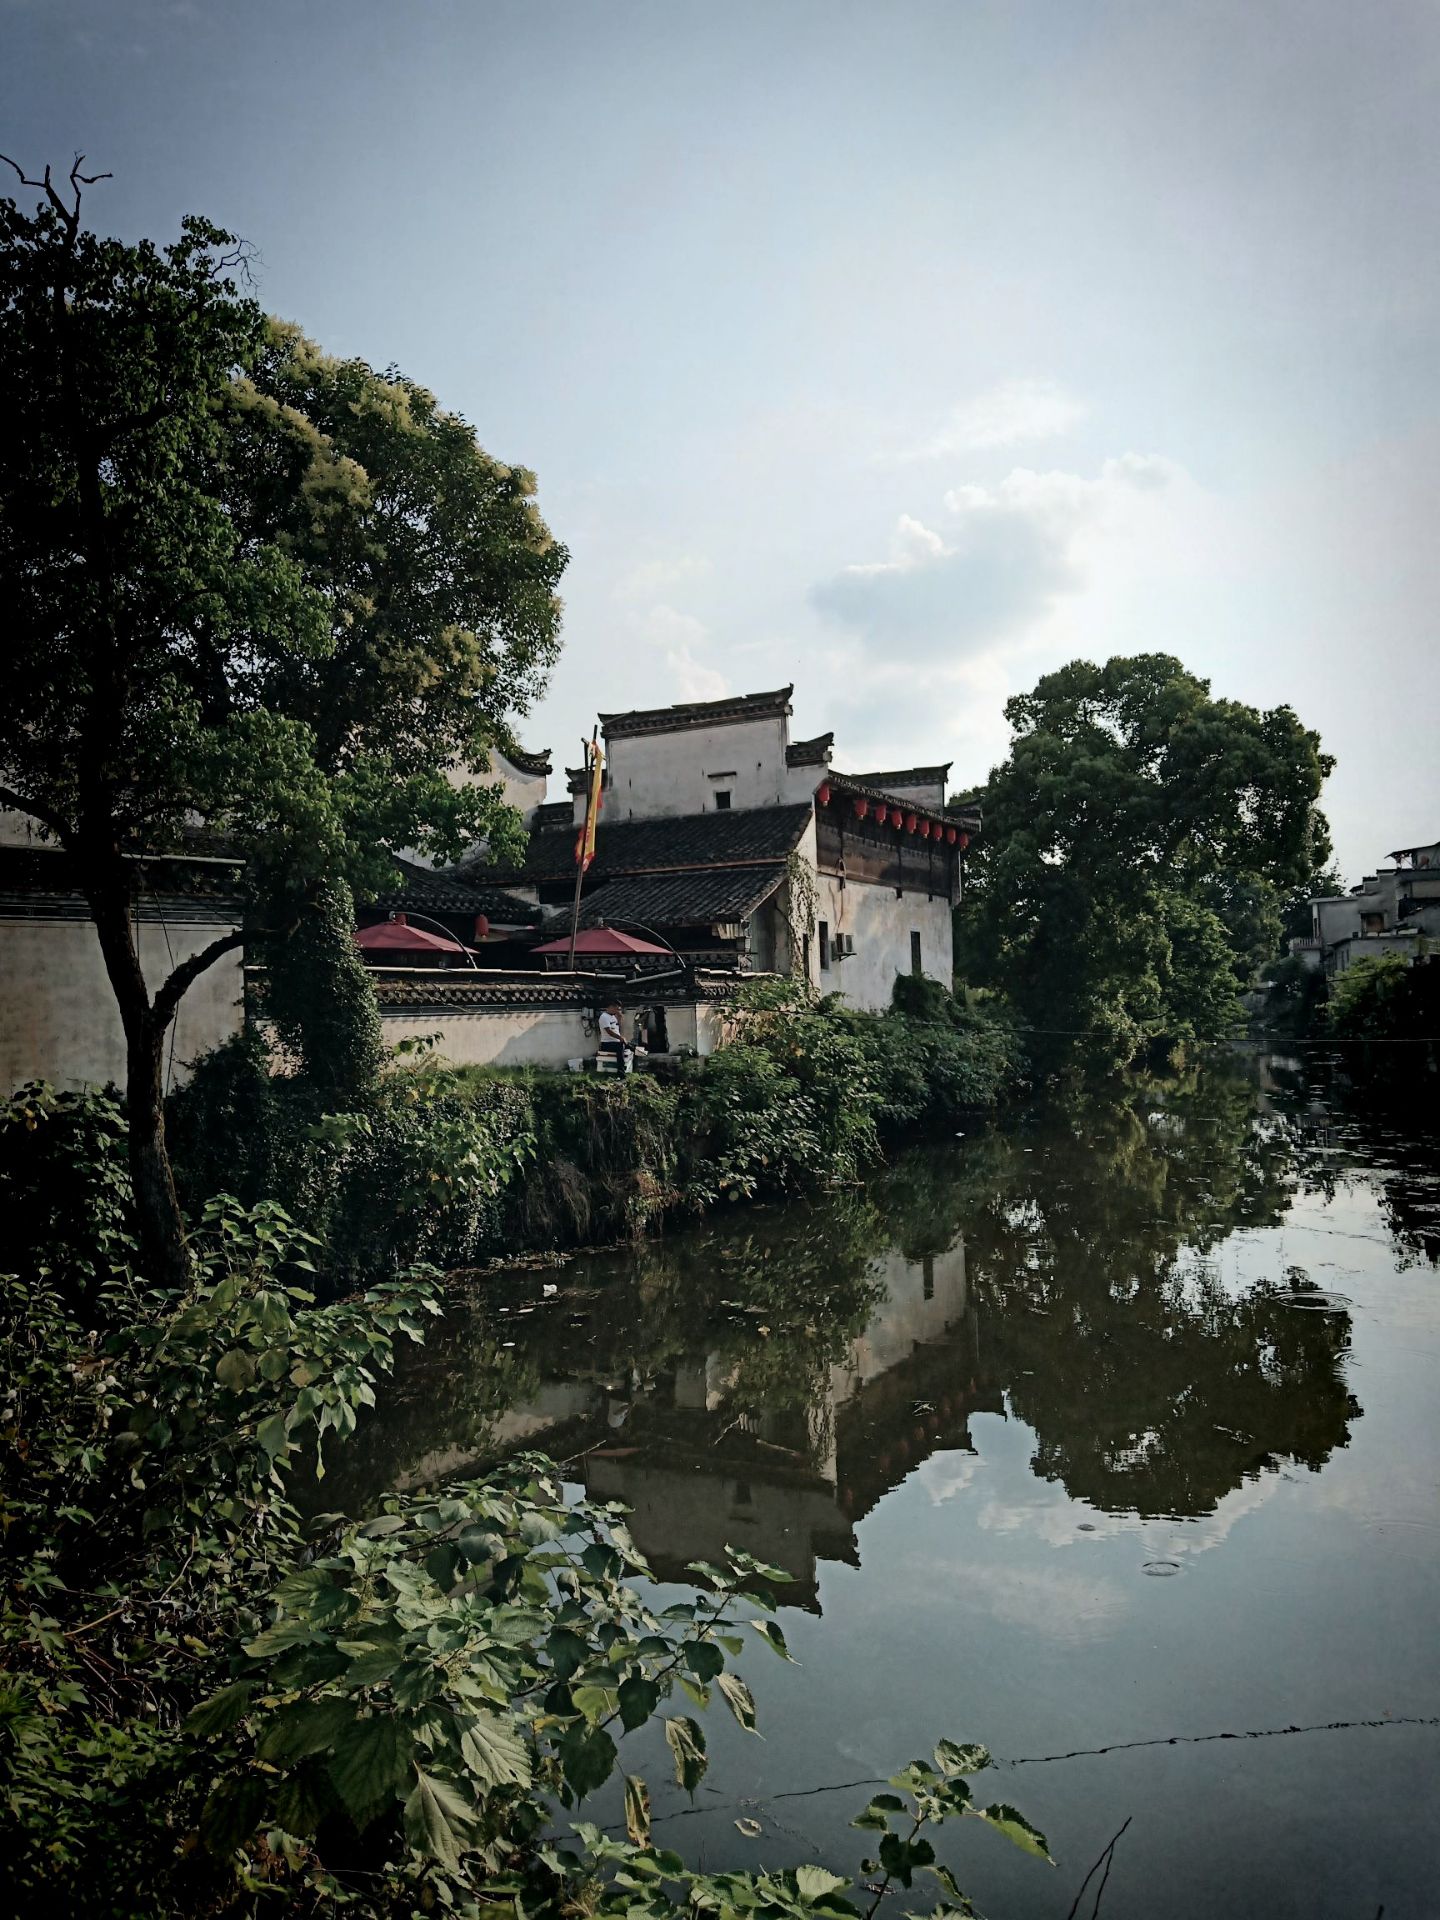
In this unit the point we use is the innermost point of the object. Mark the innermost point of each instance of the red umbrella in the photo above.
(601, 940)
(393, 936)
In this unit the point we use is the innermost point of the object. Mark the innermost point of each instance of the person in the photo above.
(611, 1038)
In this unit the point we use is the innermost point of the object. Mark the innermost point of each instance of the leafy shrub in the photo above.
(65, 1187)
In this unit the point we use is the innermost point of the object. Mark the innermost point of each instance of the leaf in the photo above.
(495, 1752)
(221, 1711)
(369, 1766)
(813, 1883)
(952, 1759)
(235, 1369)
(232, 1813)
(437, 1820)
(271, 1435)
(900, 1857)
(739, 1698)
(639, 1698)
(1016, 1828)
(769, 1630)
(637, 1810)
(687, 1743)
(587, 1759)
(309, 1726)
(703, 1659)
(596, 1703)
(302, 1800)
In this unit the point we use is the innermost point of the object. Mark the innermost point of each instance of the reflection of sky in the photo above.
(988, 1605)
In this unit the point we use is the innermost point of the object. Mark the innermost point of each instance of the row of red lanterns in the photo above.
(897, 817)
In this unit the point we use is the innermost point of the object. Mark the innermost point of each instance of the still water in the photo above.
(1108, 1438)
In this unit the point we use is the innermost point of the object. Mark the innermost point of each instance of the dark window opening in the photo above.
(743, 1496)
(824, 946)
(722, 800)
(915, 966)
(927, 1276)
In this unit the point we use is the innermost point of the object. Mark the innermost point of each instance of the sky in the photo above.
(904, 351)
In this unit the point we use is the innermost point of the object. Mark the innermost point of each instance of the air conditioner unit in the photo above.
(845, 945)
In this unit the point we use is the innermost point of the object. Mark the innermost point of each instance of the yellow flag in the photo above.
(585, 839)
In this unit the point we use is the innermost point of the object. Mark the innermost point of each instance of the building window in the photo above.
(915, 966)
(824, 946)
(722, 800)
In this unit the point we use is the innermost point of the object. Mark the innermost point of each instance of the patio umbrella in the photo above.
(394, 936)
(602, 940)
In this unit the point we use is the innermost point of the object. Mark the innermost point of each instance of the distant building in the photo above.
(1393, 910)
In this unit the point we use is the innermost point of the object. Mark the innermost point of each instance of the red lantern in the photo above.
(862, 807)
(964, 841)
(897, 818)
(482, 925)
(911, 822)
(823, 795)
(924, 829)
(951, 835)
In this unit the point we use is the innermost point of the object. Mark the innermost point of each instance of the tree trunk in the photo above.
(163, 1255)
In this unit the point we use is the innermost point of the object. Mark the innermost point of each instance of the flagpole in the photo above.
(586, 747)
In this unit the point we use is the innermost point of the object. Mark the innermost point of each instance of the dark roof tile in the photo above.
(738, 836)
(698, 713)
(701, 897)
(422, 891)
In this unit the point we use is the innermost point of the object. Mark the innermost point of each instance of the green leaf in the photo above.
(900, 1857)
(739, 1698)
(952, 1759)
(235, 1369)
(596, 1703)
(271, 1435)
(221, 1711)
(369, 1766)
(637, 1810)
(813, 1883)
(1017, 1828)
(438, 1821)
(687, 1743)
(309, 1726)
(639, 1698)
(587, 1759)
(769, 1631)
(703, 1659)
(302, 1800)
(495, 1752)
(232, 1813)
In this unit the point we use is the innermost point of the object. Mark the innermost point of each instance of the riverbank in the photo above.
(458, 1166)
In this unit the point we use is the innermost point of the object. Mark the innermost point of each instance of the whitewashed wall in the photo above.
(664, 775)
(881, 927)
(58, 1019)
(546, 1036)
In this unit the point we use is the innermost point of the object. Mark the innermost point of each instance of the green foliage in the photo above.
(319, 997)
(1140, 841)
(1386, 998)
(211, 1705)
(65, 1187)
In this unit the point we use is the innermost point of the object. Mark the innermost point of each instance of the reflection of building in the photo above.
(700, 1474)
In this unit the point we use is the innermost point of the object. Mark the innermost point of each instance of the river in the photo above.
(1107, 1437)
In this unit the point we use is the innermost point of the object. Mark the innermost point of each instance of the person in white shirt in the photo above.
(611, 1038)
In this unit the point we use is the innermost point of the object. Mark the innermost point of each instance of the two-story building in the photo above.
(738, 848)
(1396, 909)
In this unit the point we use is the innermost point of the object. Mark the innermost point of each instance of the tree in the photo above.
(255, 593)
(1140, 840)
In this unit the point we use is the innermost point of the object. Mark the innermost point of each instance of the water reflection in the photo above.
(767, 1381)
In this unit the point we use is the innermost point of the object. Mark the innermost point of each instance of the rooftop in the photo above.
(523, 762)
(421, 891)
(743, 837)
(699, 713)
(809, 753)
(903, 776)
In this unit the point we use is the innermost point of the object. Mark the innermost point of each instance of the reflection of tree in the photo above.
(1150, 1386)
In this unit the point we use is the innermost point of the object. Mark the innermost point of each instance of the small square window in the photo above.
(722, 800)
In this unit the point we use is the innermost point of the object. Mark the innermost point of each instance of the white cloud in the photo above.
(1015, 411)
(681, 638)
(1005, 557)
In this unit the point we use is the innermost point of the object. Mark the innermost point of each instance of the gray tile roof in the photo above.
(809, 753)
(422, 891)
(740, 836)
(699, 898)
(698, 713)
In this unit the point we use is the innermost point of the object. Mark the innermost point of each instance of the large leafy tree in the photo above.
(252, 591)
(1140, 841)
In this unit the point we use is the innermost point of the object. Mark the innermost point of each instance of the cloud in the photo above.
(1001, 560)
(1015, 411)
(681, 637)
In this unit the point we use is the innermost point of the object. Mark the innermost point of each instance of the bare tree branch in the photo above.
(78, 181)
(167, 1001)
(18, 803)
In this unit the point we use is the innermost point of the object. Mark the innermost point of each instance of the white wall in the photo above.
(544, 1036)
(58, 1019)
(663, 775)
(881, 927)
